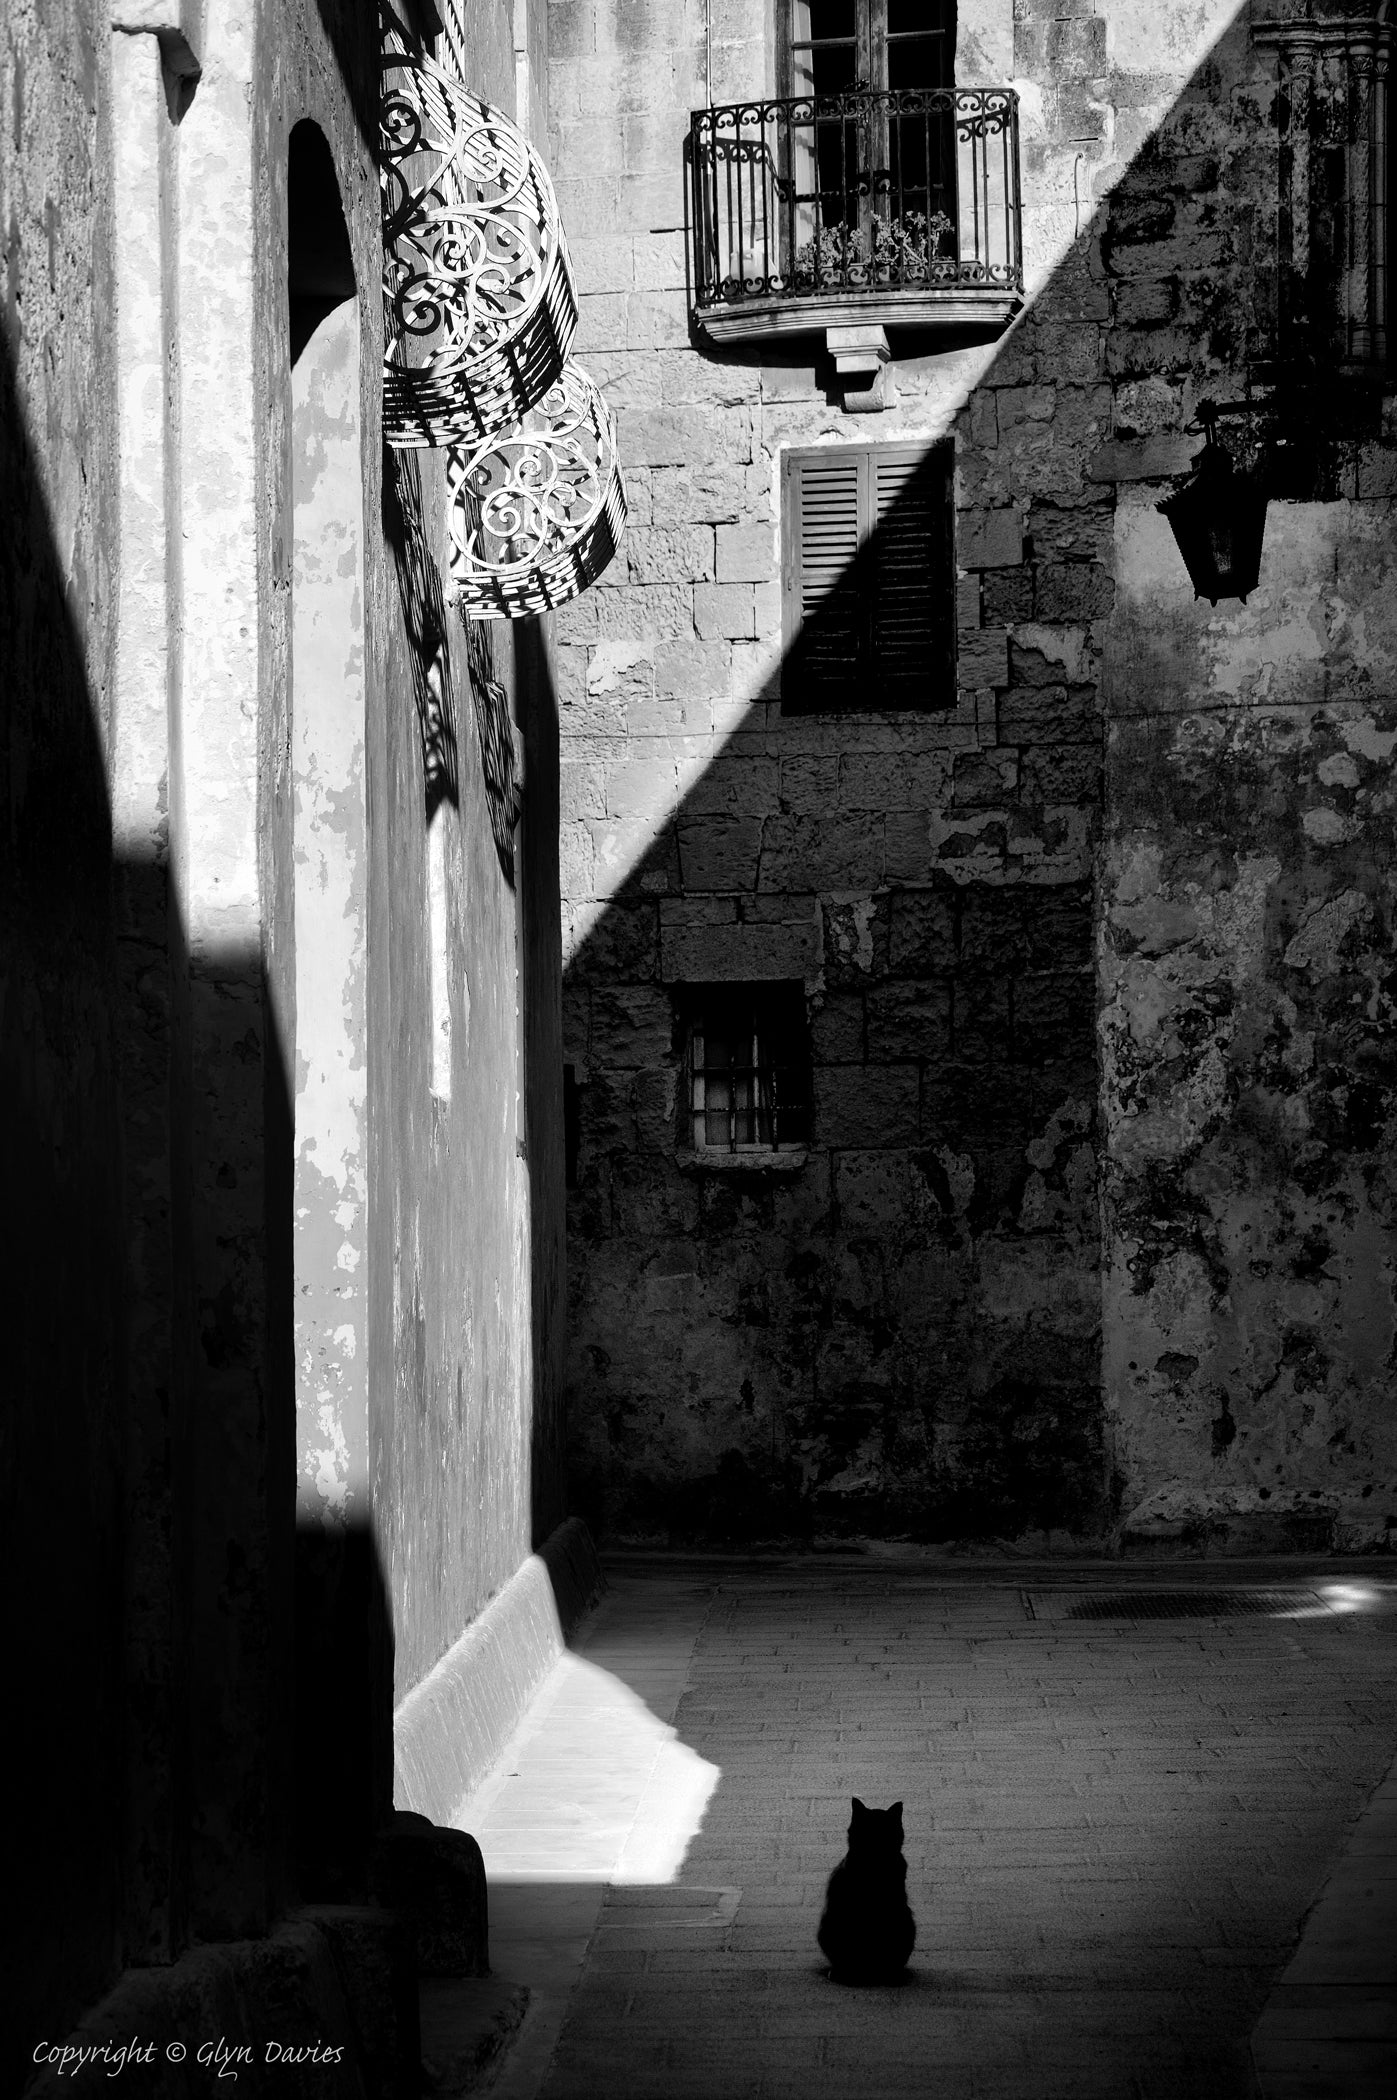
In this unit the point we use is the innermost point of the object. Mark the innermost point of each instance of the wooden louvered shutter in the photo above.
(913, 576)
(825, 522)
(869, 579)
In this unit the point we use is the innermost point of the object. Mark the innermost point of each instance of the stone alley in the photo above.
(1116, 1826)
(698, 1036)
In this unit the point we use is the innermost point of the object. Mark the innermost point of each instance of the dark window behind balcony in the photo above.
(872, 181)
(889, 161)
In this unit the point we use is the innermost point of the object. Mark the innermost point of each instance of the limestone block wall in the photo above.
(903, 1333)
(921, 1329)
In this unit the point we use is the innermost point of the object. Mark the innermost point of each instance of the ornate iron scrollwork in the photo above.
(536, 512)
(902, 191)
(478, 291)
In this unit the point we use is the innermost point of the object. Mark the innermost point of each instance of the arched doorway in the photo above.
(342, 1710)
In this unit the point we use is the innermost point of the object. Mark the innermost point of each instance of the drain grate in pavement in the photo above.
(1176, 1604)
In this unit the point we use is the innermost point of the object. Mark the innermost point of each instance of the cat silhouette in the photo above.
(867, 1930)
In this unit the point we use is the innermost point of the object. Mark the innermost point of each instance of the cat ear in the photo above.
(896, 1810)
(859, 1809)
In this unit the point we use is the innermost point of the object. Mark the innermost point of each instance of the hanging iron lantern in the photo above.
(1218, 518)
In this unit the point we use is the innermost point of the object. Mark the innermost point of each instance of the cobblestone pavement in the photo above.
(1115, 1826)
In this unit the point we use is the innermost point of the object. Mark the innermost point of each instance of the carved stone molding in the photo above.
(480, 308)
(1333, 71)
(535, 512)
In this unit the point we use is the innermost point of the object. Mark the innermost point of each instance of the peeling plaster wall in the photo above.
(466, 1198)
(1247, 1028)
(912, 1332)
(158, 1014)
(1244, 886)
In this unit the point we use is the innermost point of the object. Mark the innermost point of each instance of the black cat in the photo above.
(868, 1931)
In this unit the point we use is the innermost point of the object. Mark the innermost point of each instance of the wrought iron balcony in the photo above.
(891, 206)
(479, 303)
(536, 512)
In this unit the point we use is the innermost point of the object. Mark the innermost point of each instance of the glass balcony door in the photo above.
(871, 186)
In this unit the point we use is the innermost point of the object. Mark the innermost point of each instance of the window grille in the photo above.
(1335, 169)
(749, 1074)
(868, 576)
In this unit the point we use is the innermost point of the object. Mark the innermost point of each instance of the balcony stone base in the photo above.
(980, 308)
(862, 372)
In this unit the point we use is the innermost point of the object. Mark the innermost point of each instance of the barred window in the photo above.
(749, 1067)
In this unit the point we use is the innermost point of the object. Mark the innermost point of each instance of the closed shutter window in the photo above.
(869, 578)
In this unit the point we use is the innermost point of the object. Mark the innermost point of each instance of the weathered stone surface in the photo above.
(725, 611)
(873, 1106)
(434, 1879)
(909, 1020)
(719, 853)
(816, 1302)
(746, 553)
(993, 539)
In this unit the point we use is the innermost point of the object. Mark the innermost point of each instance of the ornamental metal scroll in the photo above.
(908, 189)
(480, 307)
(425, 620)
(498, 769)
(535, 513)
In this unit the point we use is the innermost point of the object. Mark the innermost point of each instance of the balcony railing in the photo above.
(891, 205)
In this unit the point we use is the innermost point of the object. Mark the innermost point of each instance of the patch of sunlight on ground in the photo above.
(593, 1787)
(1343, 1597)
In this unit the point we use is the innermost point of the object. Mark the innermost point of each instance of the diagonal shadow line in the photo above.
(1005, 965)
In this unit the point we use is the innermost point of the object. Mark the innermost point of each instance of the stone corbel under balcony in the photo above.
(861, 367)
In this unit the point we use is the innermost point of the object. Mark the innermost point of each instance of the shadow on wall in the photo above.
(897, 1331)
(528, 860)
(65, 1276)
(904, 1333)
(168, 1603)
(900, 1332)
(425, 619)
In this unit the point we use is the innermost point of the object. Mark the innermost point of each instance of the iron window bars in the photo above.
(749, 1077)
(907, 194)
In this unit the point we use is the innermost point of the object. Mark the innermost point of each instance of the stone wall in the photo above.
(1245, 1018)
(910, 1331)
(207, 1658)
(64, 1431)
(903, 1332)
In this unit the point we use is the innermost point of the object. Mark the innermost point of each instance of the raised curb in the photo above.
(452, 1726)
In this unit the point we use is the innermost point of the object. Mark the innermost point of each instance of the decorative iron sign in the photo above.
(535, 512)
(478, 291)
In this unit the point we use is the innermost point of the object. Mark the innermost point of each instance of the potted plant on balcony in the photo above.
(894, 251)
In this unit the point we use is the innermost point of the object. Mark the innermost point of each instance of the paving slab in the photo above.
(1116, 1830)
